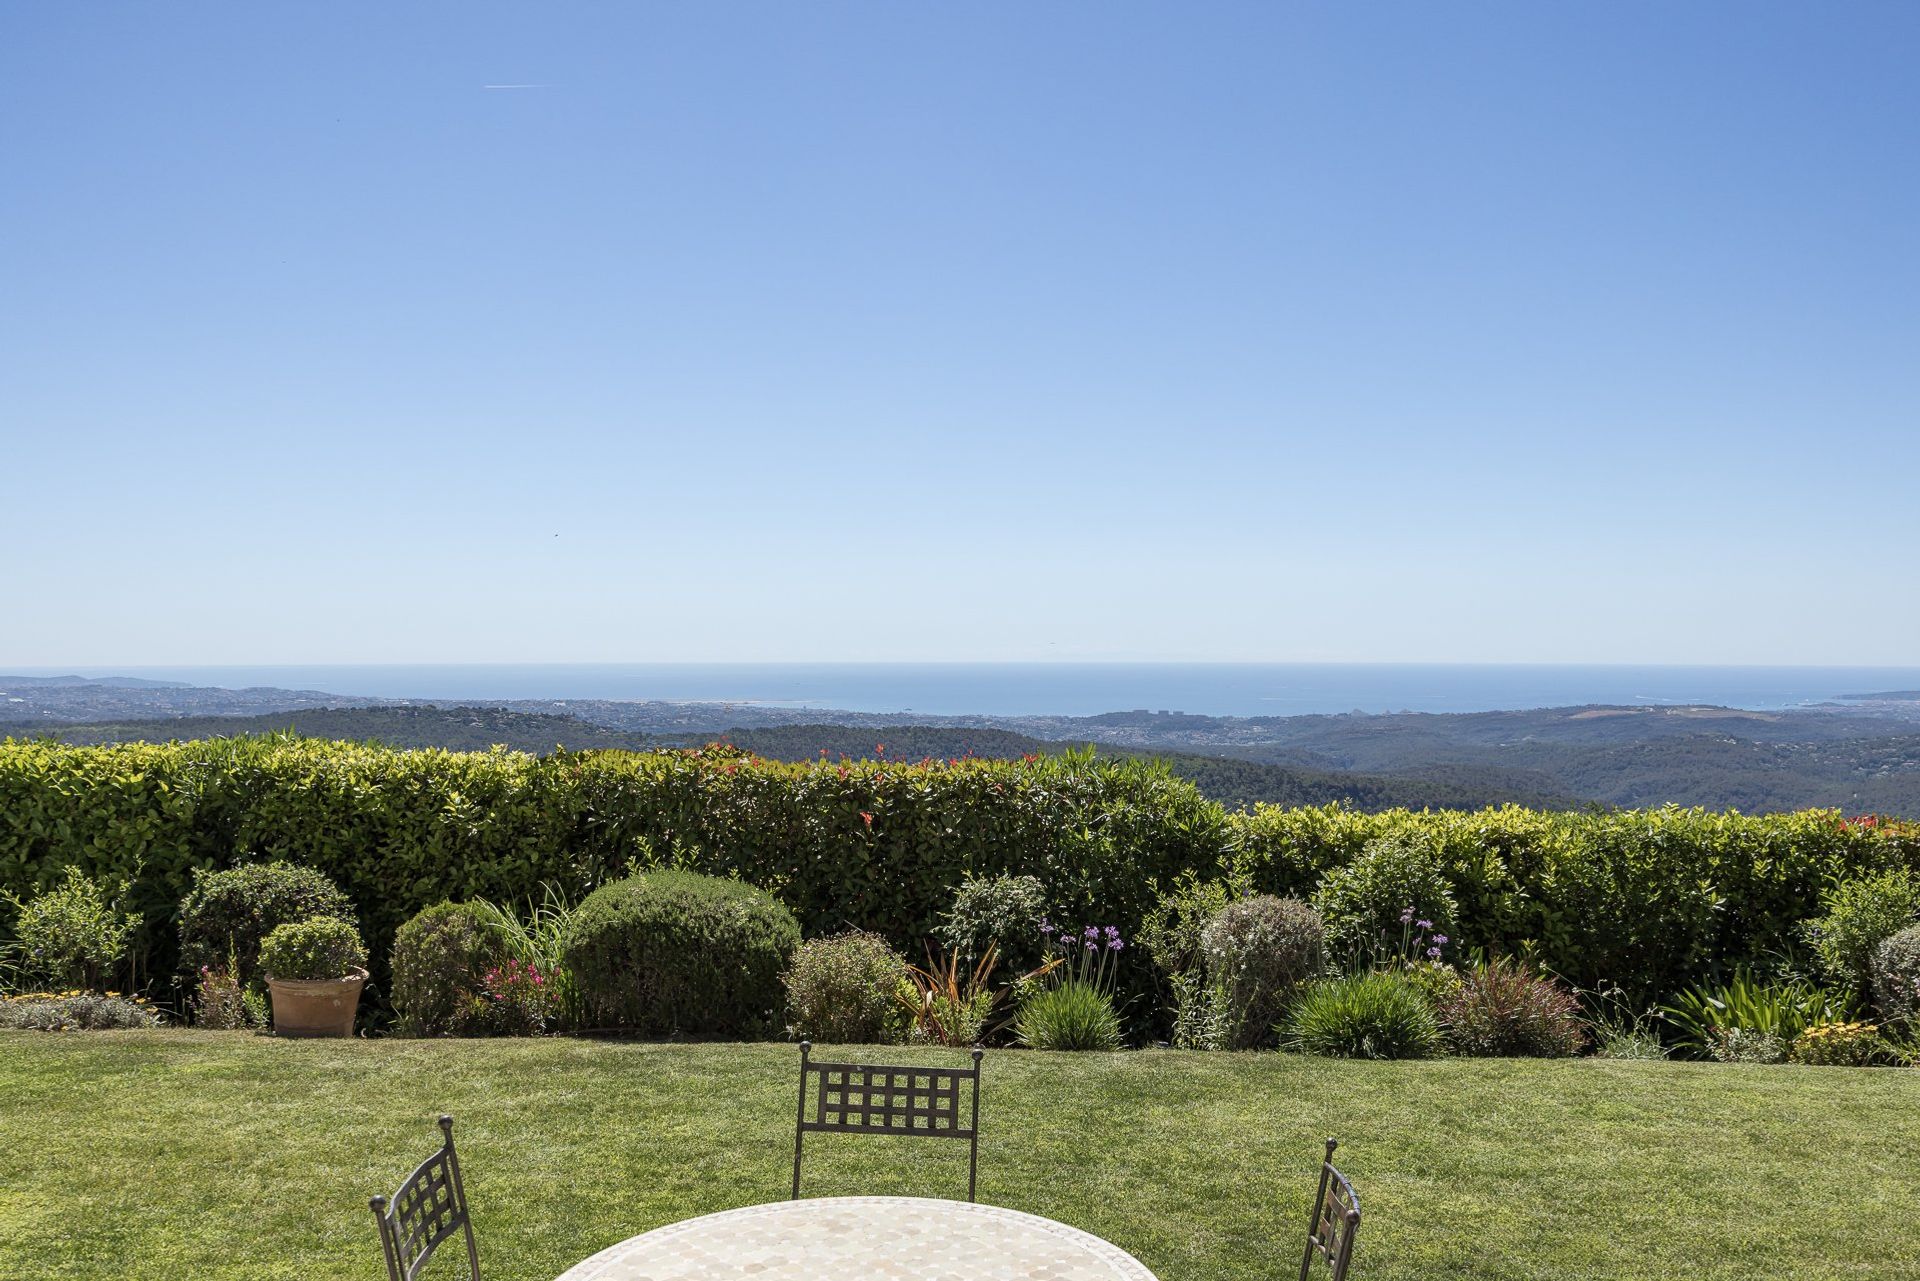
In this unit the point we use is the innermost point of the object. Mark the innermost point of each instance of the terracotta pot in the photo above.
(316, 1007)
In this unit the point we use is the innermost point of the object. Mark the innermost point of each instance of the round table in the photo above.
(863, 1238)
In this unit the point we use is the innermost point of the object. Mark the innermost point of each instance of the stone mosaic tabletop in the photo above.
(863, 1238)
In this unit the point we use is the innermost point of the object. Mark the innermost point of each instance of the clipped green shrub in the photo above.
(1499, 1010)
(1004, 912)
(1074, 1015)
(321, 947)
(72, 936)
(1373, 1014)
(845, 988)
(1859, 915)
(1369, 905)
(227, 915)
(440, 958)
(1258, 951)
(678, 952)
(1896, 976)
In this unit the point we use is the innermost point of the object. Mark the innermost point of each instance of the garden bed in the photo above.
(173, 1154)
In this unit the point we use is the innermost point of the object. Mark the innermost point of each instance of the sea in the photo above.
(1070, 689)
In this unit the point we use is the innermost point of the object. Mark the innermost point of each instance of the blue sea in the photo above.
(1073, 689)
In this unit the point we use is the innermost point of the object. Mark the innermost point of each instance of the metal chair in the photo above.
(1336, 1217)
(429, 1206)
(862, 1098)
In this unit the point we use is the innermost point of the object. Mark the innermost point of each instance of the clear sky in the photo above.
(968, 331)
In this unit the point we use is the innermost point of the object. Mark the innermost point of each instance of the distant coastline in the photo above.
(1069, 689)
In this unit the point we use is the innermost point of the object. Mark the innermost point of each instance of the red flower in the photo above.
(879, 749)
(866, 818)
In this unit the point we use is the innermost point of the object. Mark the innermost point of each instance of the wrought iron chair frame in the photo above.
(1336, 1218)
(429, 1206)
(866, 1102)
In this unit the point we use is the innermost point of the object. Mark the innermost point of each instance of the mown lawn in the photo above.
(210, 1155)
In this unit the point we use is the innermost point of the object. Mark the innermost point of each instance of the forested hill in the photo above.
(1234, 783)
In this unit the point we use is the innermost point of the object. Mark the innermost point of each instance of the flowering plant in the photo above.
(517, 999)
(1084, 956)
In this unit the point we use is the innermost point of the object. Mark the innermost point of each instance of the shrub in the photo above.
(220, 1002)
(1258, 952)
(439, 959)
(321, 947)
(676, 951)
(1005, 912)
(76, 1012)
(846, 988)
(71, 936)
(1074, 1015)
(1783, 1009)
(1369, 1015)
(1501, 1011)
(227, 915)
(1896, 976)
(516, 999)
(1859, 915)
(1840, 1045)
(1746, 1045)
(1369, 904)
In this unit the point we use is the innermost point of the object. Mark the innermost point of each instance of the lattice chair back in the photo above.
(1336, 1217)
(429, 1206)
(868, 1098)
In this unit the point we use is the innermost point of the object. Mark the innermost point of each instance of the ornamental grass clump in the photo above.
(1257, 953)
(846, 988)
(1374, 1014)
(1500, 1010)
(1069, 1005)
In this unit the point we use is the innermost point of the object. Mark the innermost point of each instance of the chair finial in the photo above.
(1331, 1145)
(977, 1053)
(806, 1049)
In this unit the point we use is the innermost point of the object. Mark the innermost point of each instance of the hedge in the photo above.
(1653, 899)
(869, 844)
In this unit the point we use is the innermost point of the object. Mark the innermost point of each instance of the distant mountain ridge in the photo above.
(1858, 756)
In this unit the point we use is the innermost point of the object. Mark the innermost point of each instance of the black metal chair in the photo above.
(865, 1098)
(1336, 1217)
(429, 1206)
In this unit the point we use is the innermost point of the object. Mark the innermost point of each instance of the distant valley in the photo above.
(1860, 755)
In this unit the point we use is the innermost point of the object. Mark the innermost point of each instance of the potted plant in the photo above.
(315, 969)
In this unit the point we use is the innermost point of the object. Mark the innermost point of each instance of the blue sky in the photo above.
(987, 331)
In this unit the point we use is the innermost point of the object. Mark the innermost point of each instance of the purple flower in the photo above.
(1114, 944)
(1046, 926)
(1113, 932)
(1423, 925)
(1439, 939)
(1406, 917)
(1092, 932)
(1066, 940)
(1092, 946)
(1434, 952)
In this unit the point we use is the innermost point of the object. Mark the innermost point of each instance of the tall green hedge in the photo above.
(869, 845)
(1652, 899)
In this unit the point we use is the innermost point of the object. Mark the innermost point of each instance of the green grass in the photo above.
(209, 1155)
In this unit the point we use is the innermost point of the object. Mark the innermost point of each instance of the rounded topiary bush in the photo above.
(675, 951)
(227, 914)
(1384, 897)
(323, 947)
(1257, 952)
(1896, 976)
(439, 958)
(846, 988)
